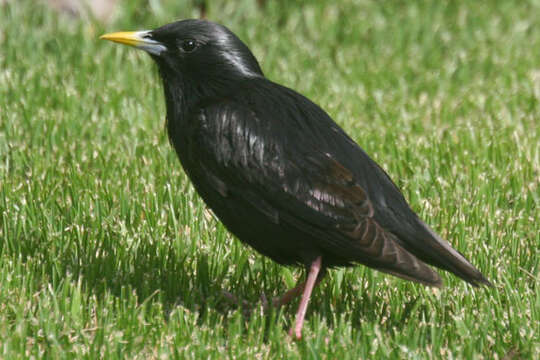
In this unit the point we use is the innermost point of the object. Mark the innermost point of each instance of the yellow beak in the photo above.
(139, 39)
(129, 38)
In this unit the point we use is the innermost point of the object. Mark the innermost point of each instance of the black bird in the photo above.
(278, 171)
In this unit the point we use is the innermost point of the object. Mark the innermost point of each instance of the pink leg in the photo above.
(296, 331)
(292, 293)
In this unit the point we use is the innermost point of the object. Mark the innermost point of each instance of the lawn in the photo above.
(107, 252)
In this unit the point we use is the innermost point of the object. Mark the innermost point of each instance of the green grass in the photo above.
(106, 250)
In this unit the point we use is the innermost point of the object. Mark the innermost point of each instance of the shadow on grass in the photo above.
(159, 272)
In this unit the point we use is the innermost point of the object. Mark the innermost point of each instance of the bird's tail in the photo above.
(435, 251)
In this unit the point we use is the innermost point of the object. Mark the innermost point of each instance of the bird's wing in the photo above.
(294, 180)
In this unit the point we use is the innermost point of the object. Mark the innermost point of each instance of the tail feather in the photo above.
(377, 248)
(437, 252)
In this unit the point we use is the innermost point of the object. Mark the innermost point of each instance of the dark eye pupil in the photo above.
(188, 45)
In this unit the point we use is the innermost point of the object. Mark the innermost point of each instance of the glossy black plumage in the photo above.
(278, 171)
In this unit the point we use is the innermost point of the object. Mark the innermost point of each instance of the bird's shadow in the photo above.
(157, 273)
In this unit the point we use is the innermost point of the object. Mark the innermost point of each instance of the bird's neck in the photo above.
(182, 96)
(177, 105)
(185, 96)
(181, 99)
(175, 99)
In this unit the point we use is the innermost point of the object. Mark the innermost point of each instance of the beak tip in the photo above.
(104, 37)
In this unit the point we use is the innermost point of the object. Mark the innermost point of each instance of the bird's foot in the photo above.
(295, 333)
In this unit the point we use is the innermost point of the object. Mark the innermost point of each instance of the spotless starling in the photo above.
(279, 173)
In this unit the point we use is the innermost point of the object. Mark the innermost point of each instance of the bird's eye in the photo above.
(188, 45)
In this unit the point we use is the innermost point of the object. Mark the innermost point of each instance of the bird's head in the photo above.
(194, 51)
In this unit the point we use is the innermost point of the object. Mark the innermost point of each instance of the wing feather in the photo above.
(297, 184)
